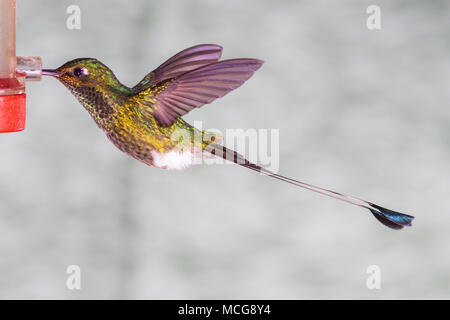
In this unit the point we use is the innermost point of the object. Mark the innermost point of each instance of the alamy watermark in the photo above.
(373, 281)
(258, 146)
(373, 21)
(73, 21)
(73, 281)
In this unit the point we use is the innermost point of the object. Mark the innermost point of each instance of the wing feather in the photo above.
(202, 86)
(190, 79)
(187, 60)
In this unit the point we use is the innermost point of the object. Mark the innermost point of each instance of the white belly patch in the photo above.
(172, 160)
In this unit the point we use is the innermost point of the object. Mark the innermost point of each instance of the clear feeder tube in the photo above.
(12, 84)
(7, 38)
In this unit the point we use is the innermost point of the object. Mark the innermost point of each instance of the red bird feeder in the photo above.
(13, 72)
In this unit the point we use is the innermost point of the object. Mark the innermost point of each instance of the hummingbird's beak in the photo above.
(50, 72)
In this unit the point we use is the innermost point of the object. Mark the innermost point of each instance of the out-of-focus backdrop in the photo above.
(360, 111)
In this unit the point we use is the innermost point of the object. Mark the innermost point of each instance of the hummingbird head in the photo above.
(84, 72)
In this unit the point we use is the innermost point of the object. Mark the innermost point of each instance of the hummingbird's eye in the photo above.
(78, 72)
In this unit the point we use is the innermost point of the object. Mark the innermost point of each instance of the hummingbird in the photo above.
(142, 121)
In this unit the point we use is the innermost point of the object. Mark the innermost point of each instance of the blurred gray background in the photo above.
(363, 112)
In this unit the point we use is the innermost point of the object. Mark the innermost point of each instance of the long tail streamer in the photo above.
(389, 218)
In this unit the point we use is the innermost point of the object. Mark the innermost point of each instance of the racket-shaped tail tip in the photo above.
(392, 219)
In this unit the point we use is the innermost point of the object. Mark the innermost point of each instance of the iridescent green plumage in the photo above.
(122, 112)
(145, 121)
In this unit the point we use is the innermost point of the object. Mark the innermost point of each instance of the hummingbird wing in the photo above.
(175, 97)
(184, 61)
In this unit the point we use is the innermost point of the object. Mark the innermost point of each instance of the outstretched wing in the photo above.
(184, 61)
(178, 96)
